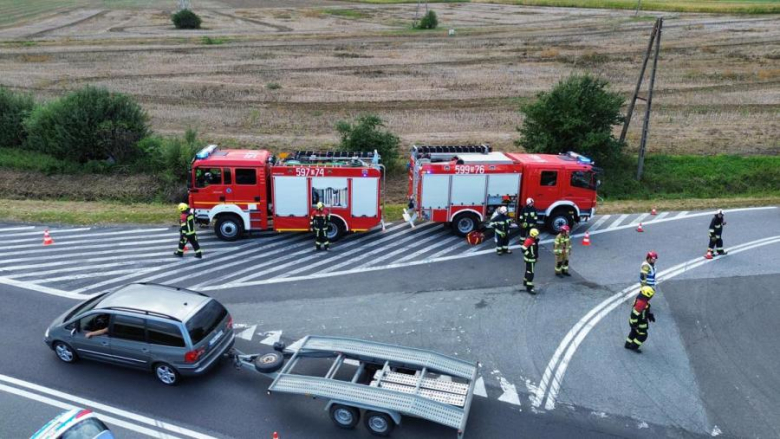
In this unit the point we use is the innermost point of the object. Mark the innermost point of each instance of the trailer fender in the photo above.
(230, 208)
(394, 415)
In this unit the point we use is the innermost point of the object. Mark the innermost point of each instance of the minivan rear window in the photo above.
(205, 321)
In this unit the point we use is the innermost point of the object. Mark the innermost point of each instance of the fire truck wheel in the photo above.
(465, 223)
(559, 218)
(228, 227)
(335, 230)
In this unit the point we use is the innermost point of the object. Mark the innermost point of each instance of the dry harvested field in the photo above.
(282, 73)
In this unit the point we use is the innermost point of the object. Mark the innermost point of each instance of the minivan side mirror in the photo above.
(73, 331)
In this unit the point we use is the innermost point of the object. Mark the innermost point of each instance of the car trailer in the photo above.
(390, 382)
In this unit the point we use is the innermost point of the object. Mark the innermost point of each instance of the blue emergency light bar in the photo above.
(205, 152)
(580, 158)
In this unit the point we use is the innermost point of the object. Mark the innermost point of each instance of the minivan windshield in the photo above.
(205, 321)
(86, 306)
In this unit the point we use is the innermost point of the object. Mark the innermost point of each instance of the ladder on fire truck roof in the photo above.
(419, 150)
(332, 156)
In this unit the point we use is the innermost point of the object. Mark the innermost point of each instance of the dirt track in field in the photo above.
(281, 74)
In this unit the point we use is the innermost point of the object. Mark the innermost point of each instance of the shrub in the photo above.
(365, 134)
(273, 86)
(429, 21)
(14, 109)
(170, 157)
(578, 114)
(186, 19)
(88, 124)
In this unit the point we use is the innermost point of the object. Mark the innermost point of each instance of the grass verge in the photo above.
(712, 6)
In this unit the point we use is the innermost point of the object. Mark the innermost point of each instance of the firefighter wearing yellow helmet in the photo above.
(530, 249)
(639, 319)
(320, 220)
(187, 231)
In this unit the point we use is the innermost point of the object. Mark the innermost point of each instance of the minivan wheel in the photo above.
(65, 352)
(166, 374)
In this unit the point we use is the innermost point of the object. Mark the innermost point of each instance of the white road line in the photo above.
(639, 219)
(130, 259)
(91, 275)
(43, 289)
(617, 222)
(106, 408)
(479, 388)
(128, 253)
(598, 223)
(389, 255)
(91, 235)
(586, 324)
(660, 216)
(684, 213)
(80, 268)
(460, 243)
(429, 248)
(55, 248)
(51, 231)
(326, 258)
(510, 392)
(10, 229)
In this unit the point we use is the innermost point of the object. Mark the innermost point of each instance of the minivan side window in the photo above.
(164, 334)
(128, 328)
(549, 178)
(246, 176)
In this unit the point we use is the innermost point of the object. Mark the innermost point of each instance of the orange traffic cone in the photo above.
(653, 212)
(47, 240)
(708, 255)
(639, 228)
(586, 239)
(275, 436)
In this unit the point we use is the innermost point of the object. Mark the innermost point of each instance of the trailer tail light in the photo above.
(230, 322)
(194, 355)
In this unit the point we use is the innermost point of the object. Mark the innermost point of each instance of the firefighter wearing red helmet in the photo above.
(527, 218)
(530, 255)
(647, 270)
(639, 318)
(562, 250)
(500, 223)
(716, 229)
(319, 225)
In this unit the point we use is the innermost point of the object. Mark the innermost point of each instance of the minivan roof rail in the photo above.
(141, 311)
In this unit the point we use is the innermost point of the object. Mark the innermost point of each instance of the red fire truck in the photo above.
(245, 190)
(463, 185)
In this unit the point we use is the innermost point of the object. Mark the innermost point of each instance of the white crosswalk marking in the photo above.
(639, 219)
(617, 222)
(389, 255)
(51, 231)
(77, 268)
(89, 275)
(426, 249)
(660, 216)
(599, 223)
(682, 214)
(88, 235)
(461, 243)
(11, 229)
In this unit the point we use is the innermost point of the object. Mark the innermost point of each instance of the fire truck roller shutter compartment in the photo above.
(435, 193)
(503, 185)
(468, 190)
(330, 191)
(364, 197)
(290, 198)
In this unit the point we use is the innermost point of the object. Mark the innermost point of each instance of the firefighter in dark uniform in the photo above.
(716, 229)
(500, 223)
(187, 231)
(319, 224)
(527, 218)
(639, 318)
(530, 255)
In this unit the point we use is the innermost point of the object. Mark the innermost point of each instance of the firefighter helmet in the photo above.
(565, 228)
(534, 233)
(653, 255)
(183, 207)
(719, 212)
(502, 209)
(319, 206)
(529, 201)
(647, 292)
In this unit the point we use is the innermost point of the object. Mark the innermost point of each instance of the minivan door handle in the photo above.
(144, 349)
(104, 343)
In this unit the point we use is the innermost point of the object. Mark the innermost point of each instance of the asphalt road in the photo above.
(706, 369)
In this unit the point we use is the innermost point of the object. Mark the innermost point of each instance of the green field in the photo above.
(13, 11)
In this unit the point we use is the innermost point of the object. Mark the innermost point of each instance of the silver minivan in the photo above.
(171, 331)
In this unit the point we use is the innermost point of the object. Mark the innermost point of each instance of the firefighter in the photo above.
(187, 231)
(562, 250)
(500, 223)
(527, 218)
(639, 318)
(530, 255)
(319, 224)
(647, 270)
(716, 229)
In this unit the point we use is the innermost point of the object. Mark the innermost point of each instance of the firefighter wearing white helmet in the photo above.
(639, 319)
(320, 220)
(716, 230)
(187, 231)
(500, 223)
(527, 218)
(530, 255)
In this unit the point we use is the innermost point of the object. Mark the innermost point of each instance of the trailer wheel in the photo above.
(344, 416)
(559, 218)
(465, 223)
(379, 424)
(228, 227)
(336, 229)
(270, 362)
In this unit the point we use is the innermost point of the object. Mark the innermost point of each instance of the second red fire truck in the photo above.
(250, 190)
(463, 185)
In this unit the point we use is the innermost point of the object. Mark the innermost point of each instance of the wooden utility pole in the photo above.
(655, 37)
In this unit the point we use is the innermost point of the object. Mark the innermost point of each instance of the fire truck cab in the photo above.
(464, 185)
(252, 190)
